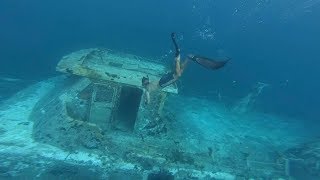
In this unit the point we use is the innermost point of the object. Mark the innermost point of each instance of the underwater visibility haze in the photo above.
(257, 117)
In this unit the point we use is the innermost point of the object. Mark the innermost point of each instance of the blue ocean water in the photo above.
(274, 42)
(268, 41)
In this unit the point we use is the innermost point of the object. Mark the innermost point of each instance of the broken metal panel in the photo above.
(109, 65)
(102, 104)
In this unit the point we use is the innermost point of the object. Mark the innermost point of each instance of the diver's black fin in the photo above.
(209, 63)
(173, 37)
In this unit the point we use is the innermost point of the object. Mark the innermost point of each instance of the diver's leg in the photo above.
(183, 65)
(177, 56)
(178, 66)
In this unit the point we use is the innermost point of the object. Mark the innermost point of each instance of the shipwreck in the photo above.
(104, 95)
(91, 122)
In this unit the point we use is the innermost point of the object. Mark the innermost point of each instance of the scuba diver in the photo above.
(174, 75)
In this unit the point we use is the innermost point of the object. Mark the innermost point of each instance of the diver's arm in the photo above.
(147, 97)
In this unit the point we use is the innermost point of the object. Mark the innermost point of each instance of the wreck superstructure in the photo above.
(110, 91)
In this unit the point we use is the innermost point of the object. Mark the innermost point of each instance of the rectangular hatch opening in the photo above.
(129, 102)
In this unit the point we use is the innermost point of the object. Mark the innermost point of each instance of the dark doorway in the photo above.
(127, 112)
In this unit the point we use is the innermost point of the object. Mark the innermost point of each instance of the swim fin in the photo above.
(209, 63)
(173, 37)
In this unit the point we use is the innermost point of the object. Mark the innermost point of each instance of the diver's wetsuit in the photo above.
(169, 78)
